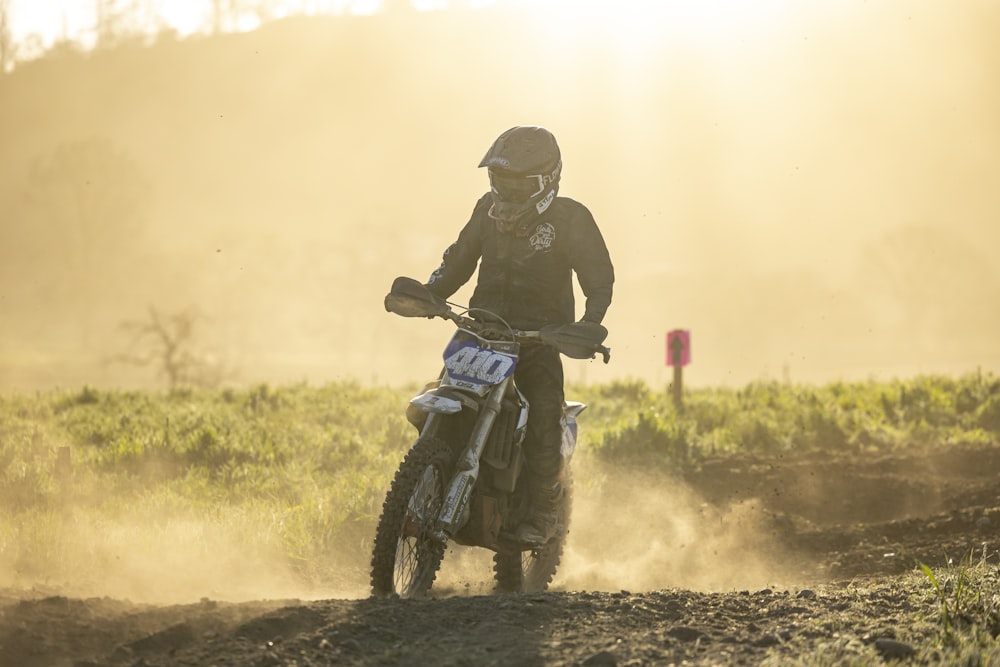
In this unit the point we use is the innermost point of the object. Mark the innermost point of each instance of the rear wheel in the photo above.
(532, 571)
(405, 556)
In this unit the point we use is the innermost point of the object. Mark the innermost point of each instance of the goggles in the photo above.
(516, 188)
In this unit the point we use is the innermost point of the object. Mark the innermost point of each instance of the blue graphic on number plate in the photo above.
(468, 361)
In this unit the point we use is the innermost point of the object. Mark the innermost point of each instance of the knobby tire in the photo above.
(405, 558)
(532, 571)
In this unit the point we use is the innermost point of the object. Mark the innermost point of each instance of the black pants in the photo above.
(539, 376)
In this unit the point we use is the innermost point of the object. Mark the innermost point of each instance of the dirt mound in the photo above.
(852, 528)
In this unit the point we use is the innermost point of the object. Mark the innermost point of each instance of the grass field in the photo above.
(286, 483)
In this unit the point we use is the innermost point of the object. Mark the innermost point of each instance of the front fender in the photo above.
(438, 400)
(433, 402)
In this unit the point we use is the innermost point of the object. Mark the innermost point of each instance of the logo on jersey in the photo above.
(543, 237)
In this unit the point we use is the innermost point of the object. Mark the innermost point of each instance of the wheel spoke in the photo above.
(405, 554)
(414, 549)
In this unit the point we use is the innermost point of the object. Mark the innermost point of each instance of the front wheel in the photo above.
(532, 571)
(405, 556)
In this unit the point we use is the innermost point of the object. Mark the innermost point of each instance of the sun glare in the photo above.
(429, 5)
(629, 19)
(693, 19)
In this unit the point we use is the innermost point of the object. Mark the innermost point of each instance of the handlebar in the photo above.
(579, 340)
(548, 336)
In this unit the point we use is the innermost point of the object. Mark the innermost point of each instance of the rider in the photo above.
(528, 242)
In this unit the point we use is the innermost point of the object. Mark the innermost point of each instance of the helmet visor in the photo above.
(515, 188)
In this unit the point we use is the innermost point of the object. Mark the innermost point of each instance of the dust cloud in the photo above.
(168, 560)
(636, 531)
(810, 190)
(642, 532)
(630, 530)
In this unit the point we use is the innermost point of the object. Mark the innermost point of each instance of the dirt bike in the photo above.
(461, 480)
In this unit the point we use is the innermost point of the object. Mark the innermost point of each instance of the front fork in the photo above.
(456, 501)
(453, 514)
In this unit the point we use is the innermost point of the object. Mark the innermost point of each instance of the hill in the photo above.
(757, 187)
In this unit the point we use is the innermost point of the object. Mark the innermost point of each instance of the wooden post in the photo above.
(678, 388)
(678, 356)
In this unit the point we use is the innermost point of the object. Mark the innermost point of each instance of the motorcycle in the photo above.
(461, 480)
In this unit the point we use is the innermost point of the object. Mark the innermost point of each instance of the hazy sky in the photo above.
(806, 185)
(50, 19)
(75, 18)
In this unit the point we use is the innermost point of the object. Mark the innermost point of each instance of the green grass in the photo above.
(946, 616)
(642, 426)
(295, 471)
(968, 597)
(298, 473)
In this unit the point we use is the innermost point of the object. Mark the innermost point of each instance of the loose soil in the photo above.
(850, 529)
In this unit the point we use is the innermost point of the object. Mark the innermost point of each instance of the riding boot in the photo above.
(542, 522)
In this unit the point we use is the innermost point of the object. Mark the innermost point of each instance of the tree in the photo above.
(88, 206)
(90, 196)
(168, 341)
(108, 22)
(228, 15)
(118, 21)
(7, 52)
(220, 10)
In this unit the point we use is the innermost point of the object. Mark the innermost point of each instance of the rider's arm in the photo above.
(461, 258)
(593, 267)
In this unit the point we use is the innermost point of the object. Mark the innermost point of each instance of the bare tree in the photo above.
(118, 21)
(168, 342)
(6, 40)
(106, 22)
(226, 14)
(217, 12)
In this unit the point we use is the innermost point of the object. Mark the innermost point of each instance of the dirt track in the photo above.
(852, 529)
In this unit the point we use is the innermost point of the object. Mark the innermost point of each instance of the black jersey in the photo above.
(527, 278)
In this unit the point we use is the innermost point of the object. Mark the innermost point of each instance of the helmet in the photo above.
(524, 164)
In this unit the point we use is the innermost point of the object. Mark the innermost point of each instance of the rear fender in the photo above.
(572, 408)
(569, 428)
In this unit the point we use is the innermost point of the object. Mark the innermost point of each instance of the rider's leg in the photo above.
(539, 375)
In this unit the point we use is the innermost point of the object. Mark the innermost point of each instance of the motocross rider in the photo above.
(528, 242)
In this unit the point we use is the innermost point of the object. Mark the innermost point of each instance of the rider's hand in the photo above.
(438, 301)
